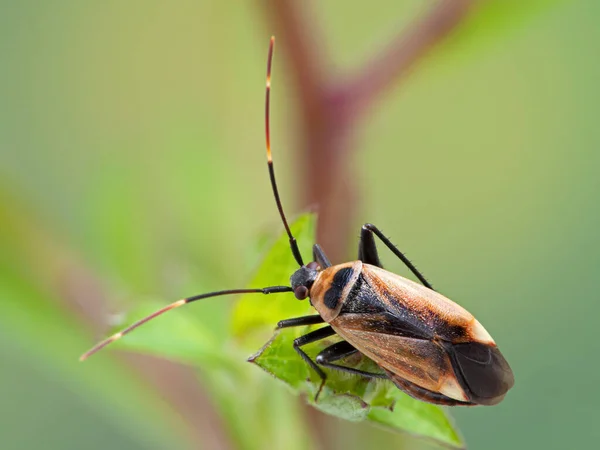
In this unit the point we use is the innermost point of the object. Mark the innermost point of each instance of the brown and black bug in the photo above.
(427, 345)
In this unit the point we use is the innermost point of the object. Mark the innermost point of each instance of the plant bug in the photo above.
(428, 346)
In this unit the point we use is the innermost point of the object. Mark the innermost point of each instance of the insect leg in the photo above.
(320, 257)
(367, 251)
(299, 321)
(338, 351)
(423, 394)
(313, 336)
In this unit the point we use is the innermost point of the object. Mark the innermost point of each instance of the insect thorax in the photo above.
(332, 287)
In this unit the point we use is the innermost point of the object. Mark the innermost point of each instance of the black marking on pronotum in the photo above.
(334, 293)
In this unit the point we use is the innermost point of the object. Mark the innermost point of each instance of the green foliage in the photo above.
(351, 397)
(133, 163)
(181, 337)
(34, 324)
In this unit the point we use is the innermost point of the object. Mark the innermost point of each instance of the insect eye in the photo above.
(301, 292)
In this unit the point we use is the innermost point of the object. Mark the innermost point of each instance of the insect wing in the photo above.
(482, 370)
(434, 314)
(420, 361)
(435, 349)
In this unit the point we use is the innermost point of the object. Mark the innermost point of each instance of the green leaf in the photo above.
(417, 418)
(255, 316)
(350, 397)
(37, 326)
(181, 336)
(257, 415)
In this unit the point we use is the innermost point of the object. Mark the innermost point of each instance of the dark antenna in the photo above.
(293, 243)
(177, 304)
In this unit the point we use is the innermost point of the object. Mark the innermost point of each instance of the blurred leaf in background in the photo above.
(132, 174)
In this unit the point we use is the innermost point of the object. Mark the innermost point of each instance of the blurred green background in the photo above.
(132, 166)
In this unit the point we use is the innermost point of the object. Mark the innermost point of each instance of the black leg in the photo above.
(367, 251)
(338, 351)
(299, 321)
(313, 336)
(320, 257)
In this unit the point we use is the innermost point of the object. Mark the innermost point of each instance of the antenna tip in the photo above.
(272, 40)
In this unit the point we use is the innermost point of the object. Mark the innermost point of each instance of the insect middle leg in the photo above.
(329, 355)
(313, 336)
(367, 251)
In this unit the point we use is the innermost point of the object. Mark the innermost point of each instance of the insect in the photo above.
(428, 346)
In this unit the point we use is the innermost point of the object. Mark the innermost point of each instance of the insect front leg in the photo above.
(338, 351)
(313, 336)
(367, 251)
(299, 321)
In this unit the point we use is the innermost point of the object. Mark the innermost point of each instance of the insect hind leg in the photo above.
(320, 257)
(367, 251)
(423, 394)
(338, 351)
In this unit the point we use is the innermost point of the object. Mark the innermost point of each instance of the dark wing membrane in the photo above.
(482, 370)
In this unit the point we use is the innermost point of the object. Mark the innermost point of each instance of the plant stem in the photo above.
(331, 109)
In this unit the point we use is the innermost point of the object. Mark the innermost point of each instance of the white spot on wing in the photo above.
(451, 388)
(480, 334)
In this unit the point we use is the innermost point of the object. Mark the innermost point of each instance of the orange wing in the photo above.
(420, 361)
